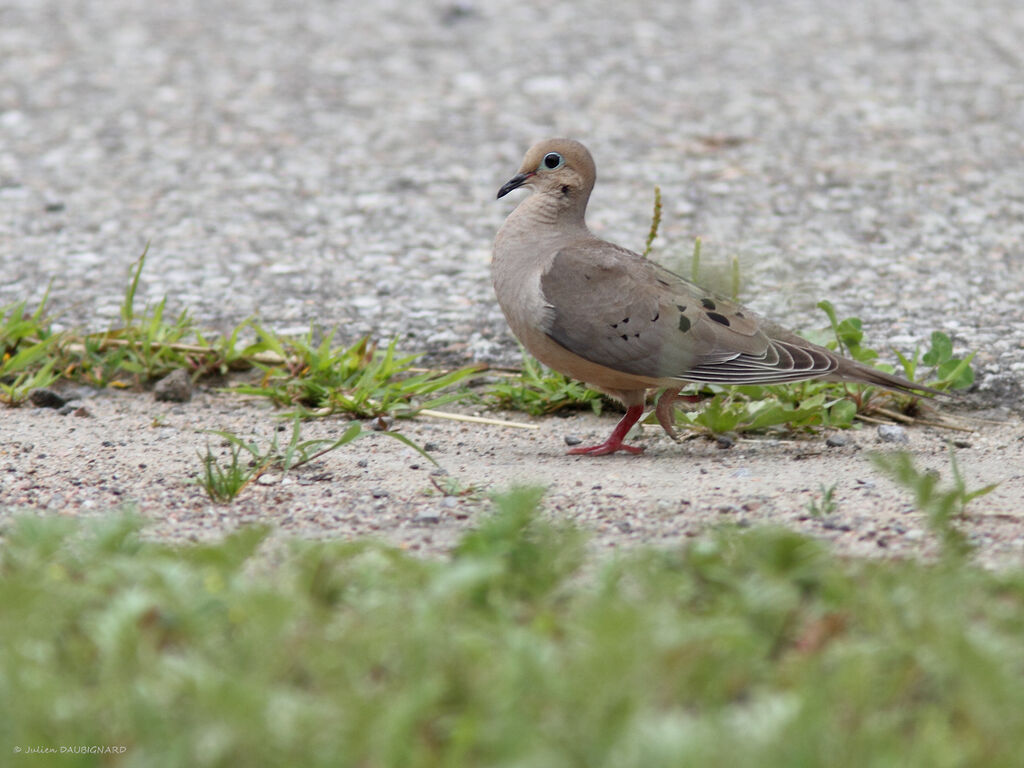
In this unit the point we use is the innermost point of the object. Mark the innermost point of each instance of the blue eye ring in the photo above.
(552, 161)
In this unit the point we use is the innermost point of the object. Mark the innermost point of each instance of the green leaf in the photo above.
(957, 373)
(841, 413)
(849, 332)
(941, 350)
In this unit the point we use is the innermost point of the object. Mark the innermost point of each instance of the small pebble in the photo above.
(837, 440)
(175, 387)
(427, 518)
(833, 526)
(379, 493)
(725, 441)
(430, 446)
(45, 398)
(741, 472)
(268, 479)
(572, 440)
(892, 433)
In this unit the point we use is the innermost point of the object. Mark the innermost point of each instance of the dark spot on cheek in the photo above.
(684, 323)
(719, 318)
(708, 303)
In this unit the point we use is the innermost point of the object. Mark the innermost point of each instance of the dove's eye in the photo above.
(552, 160)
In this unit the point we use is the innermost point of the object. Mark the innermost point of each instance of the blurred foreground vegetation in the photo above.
(521, 649)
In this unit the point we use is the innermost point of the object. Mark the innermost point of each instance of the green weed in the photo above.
(315, 376)
(223, 484)
(358, 380)
(538, 390)
(942, 507)
(655, 221)
(145, 346)
(826, 505)
(26, 352)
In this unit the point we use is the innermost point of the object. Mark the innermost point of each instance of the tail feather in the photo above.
(851, 370)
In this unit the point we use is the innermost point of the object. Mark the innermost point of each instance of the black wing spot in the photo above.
(615, 325)
(636, 335)
(586, 277)
(625, 320)
(708, 303)
(656, 316)
(719, 318)
(625, 337)
(684, 323)
(663, 282)
(680, 307)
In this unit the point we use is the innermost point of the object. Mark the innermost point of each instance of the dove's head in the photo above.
(559, 169)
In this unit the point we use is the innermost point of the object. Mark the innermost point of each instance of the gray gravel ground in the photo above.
(336, 162)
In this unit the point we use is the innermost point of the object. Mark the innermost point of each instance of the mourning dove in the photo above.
(616, 320)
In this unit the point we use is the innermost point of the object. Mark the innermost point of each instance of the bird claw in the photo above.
(609, 446)
(665, 411)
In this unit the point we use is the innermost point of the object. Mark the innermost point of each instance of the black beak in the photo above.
(514, 183)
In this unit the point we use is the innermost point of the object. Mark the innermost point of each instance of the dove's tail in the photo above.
(851, 370)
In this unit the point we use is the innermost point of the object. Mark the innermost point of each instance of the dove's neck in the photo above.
(544, 217)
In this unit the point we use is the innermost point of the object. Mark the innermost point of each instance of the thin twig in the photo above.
(894, 415)
(475, 419)
(911, 421)
(870, 420)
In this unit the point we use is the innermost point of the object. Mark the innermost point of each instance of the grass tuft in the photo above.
(539, 391)
(223, 483)
(942, 508)
(314, 376)
(358, 380)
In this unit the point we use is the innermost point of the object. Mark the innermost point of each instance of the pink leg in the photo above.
(614, 442)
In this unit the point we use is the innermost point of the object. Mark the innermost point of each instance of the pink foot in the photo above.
(604, 448)
(614, 442)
